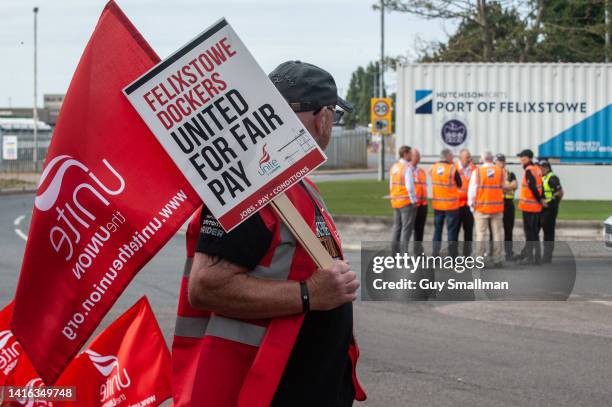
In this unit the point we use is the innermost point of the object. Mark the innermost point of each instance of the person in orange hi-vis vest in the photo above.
(465, 168)
(276, 330)
(530, 204)
(486, 200)
(510, 185)
(402, 194)
(445, 185)
(420, 186)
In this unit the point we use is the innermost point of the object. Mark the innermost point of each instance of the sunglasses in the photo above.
(338, 113)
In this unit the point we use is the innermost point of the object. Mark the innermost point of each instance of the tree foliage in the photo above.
(362, 87)
(496, 31)
(513, 31)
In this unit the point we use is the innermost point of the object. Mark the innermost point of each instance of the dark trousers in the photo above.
(531, 226)
(452, 230)
(466, 222)
(419, 228)
(508, 226)
(548, 222)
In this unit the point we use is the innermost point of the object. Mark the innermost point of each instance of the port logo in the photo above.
(423, 101)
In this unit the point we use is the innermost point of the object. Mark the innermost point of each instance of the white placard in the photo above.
(225, 124)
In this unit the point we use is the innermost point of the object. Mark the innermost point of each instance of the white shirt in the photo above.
(408, 180)
(473, 188)
(467, 171)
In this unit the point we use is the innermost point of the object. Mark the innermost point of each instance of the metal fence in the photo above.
(347, 149)
(21, 157)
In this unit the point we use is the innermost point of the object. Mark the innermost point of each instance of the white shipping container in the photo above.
(560, 111)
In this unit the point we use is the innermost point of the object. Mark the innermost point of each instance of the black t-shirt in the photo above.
(319, 371)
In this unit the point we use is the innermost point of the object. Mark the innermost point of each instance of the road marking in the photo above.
(18, 220)
(18, 231)
(21, 234)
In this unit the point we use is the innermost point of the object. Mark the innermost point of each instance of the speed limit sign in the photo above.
(381, 108)
(380, 115)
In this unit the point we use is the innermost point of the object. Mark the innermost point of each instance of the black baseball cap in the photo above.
(307, 87)
(544, 163)
(500, 157)
(526, 153)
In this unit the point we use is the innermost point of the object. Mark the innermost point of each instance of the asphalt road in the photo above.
(424, 354)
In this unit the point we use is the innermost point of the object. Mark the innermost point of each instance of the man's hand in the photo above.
(329, 288)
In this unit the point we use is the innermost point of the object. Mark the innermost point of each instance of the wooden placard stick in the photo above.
(298, 227)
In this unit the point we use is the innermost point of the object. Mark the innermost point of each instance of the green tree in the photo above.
(506, 39)
(514, 31)
(360, 90)
(572, 31)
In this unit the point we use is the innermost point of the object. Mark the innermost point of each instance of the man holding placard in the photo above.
(271, 297)
(248, 276)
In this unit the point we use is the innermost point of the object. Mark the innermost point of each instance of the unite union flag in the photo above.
(109, 198)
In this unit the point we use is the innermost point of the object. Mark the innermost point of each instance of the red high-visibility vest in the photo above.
(528, 202)
(220, 361)
(444, 189)
(489, 192)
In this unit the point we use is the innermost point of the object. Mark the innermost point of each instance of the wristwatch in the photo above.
(305, 296)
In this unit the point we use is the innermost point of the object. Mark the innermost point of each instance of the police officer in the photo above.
(510, 185)
(553, 193)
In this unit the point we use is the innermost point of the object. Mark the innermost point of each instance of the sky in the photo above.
(337, 35)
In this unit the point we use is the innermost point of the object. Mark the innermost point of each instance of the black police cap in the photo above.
(526, 153)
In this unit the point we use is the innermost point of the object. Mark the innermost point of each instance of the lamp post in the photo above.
(35, 109)
(381, 88)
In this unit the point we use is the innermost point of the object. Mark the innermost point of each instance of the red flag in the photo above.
(109, 198)
(127, 364)
(15, 367)
(9, 347)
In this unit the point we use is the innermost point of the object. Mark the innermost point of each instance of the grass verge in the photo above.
(364, 198)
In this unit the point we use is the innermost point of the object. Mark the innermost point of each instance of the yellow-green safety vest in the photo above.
(548, 192)
(508, 194)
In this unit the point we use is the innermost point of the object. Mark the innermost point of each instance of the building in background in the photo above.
(48, 113)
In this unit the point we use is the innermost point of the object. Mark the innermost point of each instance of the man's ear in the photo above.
(320, 121)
